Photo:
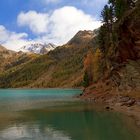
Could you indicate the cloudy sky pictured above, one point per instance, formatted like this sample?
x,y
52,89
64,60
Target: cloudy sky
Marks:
x,y
46,21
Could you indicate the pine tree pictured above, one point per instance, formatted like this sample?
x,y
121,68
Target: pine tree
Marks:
x,y
105,15
102,38
86,79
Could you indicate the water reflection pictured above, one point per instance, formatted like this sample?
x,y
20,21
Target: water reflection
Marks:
x,y
65,123
25,132
33,115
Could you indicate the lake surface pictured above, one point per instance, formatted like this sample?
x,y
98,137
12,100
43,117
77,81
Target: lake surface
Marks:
x,y
55,114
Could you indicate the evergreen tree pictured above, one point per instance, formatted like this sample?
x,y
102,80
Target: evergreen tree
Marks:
x,y
102,38
86,79
105,15
120,8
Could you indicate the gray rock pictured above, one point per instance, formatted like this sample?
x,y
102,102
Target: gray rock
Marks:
x,y
124,99
138,103
131,102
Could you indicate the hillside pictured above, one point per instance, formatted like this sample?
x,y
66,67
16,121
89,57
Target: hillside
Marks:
x,y
62,67
114,74
5,56
10,60
107,59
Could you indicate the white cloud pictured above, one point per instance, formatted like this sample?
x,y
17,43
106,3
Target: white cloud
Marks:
x,y
4,34
60,25
37,22
57,27
67,21
12,40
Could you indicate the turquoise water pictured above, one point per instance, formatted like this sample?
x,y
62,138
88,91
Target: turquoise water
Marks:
x,y
55,114
38,93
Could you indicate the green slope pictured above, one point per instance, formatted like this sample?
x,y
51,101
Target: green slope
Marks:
x,y
62,67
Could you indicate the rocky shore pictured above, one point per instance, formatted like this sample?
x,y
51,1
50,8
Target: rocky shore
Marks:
x,y
116,101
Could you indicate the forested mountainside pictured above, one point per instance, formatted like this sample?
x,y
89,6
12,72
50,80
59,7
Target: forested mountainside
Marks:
x,y
62,67
10,59
103,61
114,67
4,55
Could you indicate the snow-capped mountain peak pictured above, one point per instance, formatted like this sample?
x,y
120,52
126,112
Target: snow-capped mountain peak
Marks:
x,y
38,48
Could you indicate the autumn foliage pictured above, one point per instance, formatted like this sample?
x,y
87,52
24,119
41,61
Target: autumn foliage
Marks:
x,y
92,67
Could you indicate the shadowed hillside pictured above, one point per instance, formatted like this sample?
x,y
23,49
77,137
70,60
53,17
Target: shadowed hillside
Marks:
x,y
114,67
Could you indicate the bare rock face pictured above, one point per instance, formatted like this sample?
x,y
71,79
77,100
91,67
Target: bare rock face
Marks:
x,y
5,53
82,37
126,76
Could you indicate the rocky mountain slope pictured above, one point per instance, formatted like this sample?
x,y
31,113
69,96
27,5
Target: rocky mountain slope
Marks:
x,y
38,48
118,68
10,59
4,53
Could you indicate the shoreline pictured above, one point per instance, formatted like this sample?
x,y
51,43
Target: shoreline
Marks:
x,y
40,88
133,112
115,101
124,104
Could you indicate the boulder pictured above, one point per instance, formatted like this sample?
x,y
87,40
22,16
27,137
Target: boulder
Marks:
x,y
131,102
138,103
124,99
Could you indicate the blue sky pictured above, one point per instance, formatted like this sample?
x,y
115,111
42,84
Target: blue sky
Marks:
x,y
42,21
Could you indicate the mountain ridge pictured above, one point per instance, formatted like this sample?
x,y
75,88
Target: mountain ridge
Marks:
x,y
38,48
62,67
